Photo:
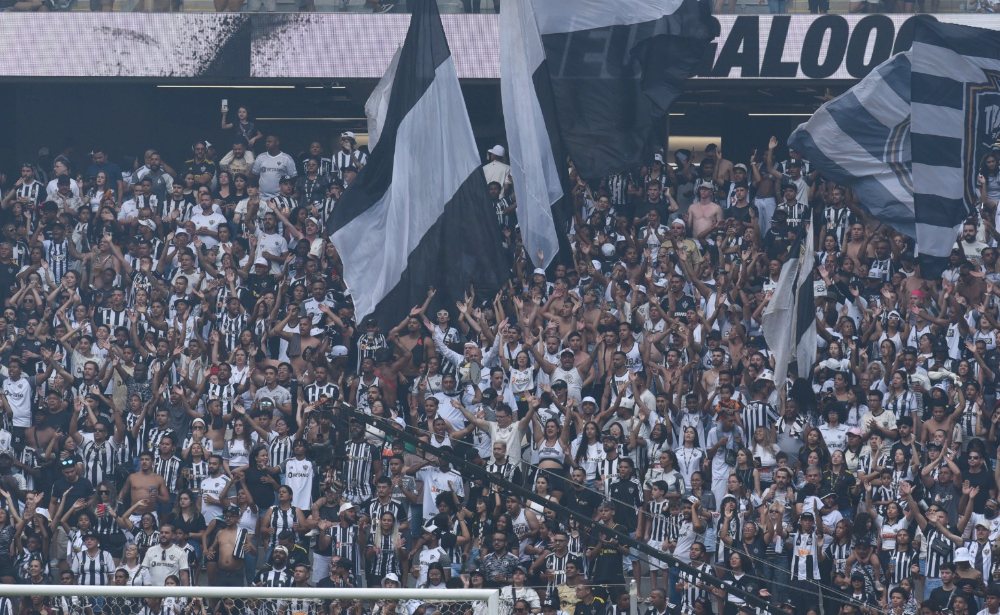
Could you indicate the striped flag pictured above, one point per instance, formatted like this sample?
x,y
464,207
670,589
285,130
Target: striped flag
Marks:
x,y
588,79
861,139
417,215
956,123
789,320
910,137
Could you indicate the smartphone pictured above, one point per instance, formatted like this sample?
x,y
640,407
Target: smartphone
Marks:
x,y
225,104
100,510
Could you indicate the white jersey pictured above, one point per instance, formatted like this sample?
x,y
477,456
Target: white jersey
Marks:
x,y
211,487
18,394
299,476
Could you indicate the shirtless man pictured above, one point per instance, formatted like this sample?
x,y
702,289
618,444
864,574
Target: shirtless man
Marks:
x,y
388,367
704,214
766,191
228,549
421,346
145,486
562,313
300,341
856,245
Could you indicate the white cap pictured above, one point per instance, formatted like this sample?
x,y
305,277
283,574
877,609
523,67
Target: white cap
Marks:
x,y
766,375
538,271
339,351
640,288
597,264
347,134
497,150
260,261
588,399
962,555
658,157
346,506
430,528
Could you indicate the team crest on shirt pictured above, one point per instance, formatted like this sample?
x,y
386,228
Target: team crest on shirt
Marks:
x,y
982,129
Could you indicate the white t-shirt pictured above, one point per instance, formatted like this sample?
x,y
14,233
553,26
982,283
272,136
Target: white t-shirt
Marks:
x,y
211,487
210,222
299,476
271,169
18,395
435,481
275,245
162,563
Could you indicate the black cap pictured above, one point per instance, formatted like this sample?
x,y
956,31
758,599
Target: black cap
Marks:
x,y
337,182
287,179
91,534
551,603
489,395
353,169
232,509
807,515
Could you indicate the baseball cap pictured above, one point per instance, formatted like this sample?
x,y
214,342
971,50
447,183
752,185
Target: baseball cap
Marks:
x,y
346,506
348,134
497,150
339,351
489,395
741,167
706,184
854,431
232,509
806,515
286,179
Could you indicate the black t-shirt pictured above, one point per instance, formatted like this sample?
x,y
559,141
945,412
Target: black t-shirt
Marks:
x,y
682,306
985,481
597,607
584,501
662,207
198,168
756,550
82,489
608,565
8,278
31,345
943,597
743,213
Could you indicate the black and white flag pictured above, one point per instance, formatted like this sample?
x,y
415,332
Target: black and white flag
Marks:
x,y
588,79
789,320
417,215
955,124
910,138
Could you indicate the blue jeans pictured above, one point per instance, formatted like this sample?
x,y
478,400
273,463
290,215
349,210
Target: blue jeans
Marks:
x,y
673,575
776,573
930,585
776,7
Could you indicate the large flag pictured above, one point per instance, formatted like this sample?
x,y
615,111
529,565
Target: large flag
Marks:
x,y
956,123
588,79
417,215
789,320
861,139
910,137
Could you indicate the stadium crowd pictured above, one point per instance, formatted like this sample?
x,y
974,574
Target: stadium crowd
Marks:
x,y
188,399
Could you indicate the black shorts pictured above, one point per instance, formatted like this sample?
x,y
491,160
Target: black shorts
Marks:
x,y
230,578
819,6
